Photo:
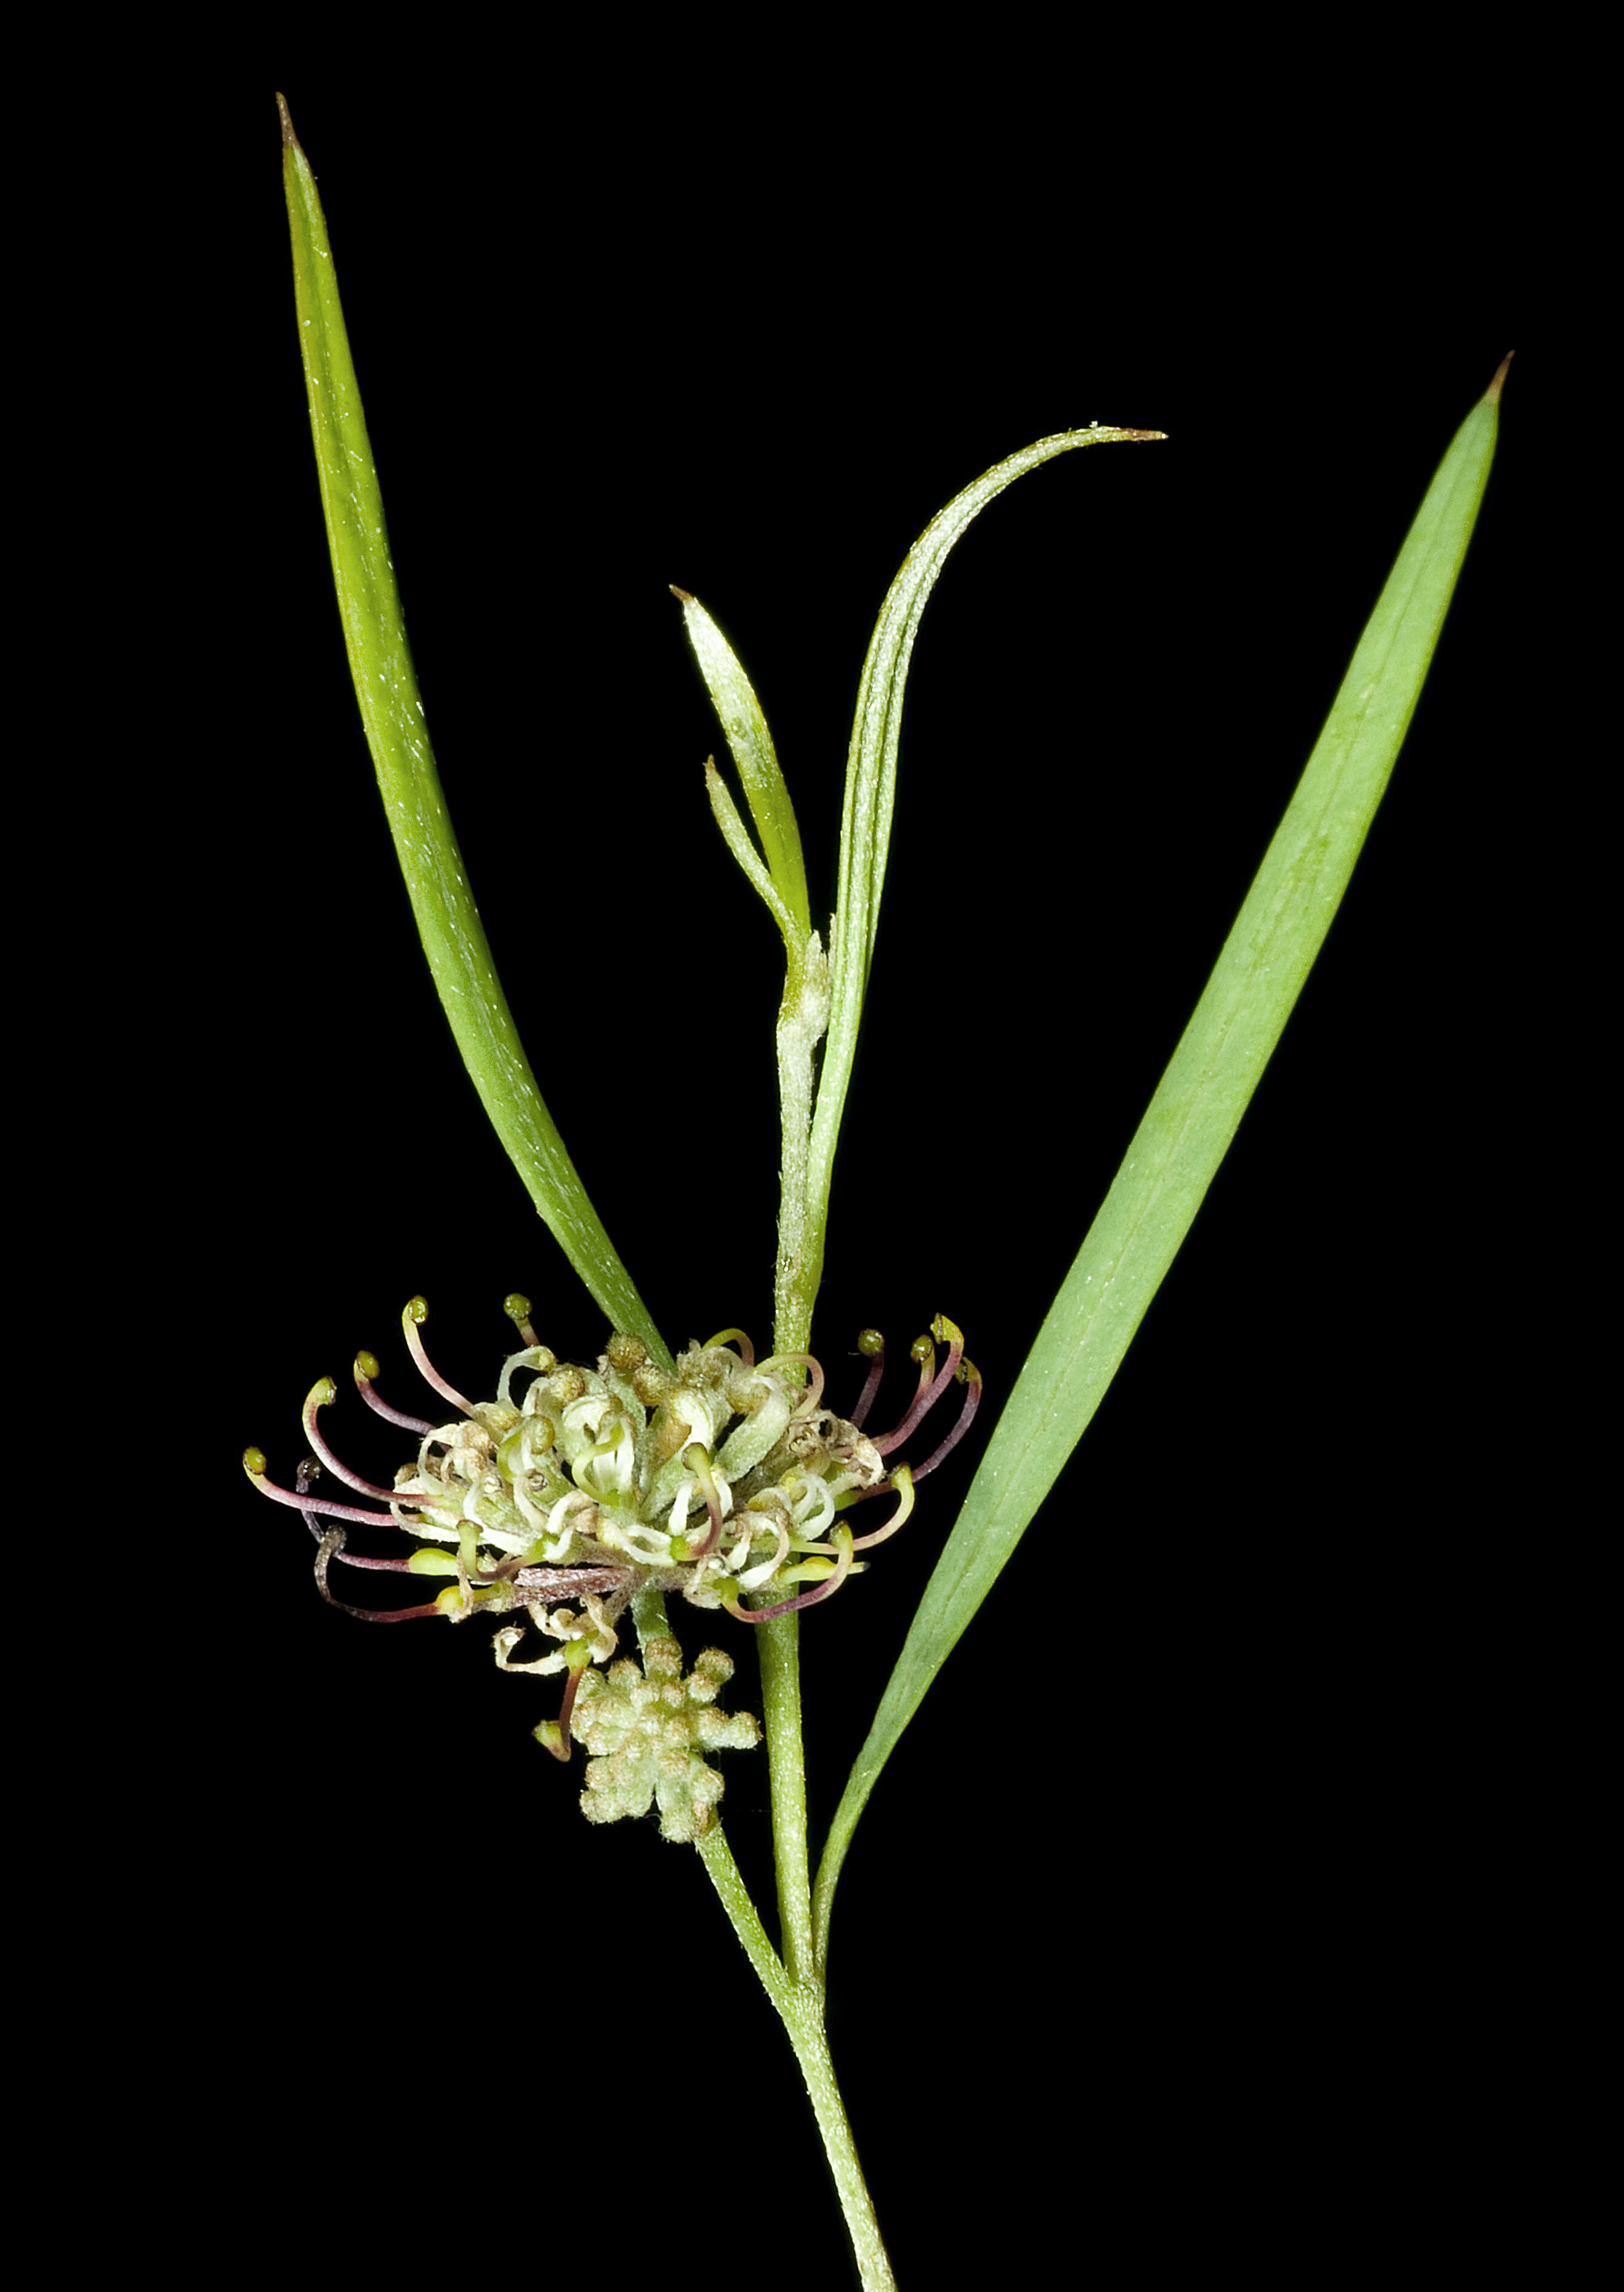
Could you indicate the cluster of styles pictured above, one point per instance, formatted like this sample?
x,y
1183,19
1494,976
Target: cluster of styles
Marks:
x,y
724,1480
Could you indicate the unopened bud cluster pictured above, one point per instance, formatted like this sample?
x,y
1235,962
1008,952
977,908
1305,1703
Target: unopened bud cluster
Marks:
x,y
648,1731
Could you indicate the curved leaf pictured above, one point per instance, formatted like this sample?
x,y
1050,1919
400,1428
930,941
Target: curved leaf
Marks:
x,y
865,826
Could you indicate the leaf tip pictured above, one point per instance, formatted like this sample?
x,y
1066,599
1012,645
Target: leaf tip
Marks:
x,y
288,137
1491,396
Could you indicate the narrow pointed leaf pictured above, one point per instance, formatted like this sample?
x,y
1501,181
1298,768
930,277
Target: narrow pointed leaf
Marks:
x,y
739,712
736,835
1199,1101
386,688
870,790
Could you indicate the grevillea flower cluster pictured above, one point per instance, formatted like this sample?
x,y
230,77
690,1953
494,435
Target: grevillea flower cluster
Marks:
x,y
576,1490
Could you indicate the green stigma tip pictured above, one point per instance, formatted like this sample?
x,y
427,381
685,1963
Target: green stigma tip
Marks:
x,y
367,1364
417,1309
254,1463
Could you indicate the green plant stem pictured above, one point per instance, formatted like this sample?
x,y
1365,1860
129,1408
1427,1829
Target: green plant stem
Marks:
x,y
795,1983
777,1645
791,1983
803,1017
799,2006
812,2050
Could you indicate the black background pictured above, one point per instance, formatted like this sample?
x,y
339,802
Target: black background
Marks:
x,y
1169,1928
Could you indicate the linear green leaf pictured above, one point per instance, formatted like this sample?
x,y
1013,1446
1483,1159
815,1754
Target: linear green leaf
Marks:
x,y
736,835
1199,1103
870,795
409,779
739,712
